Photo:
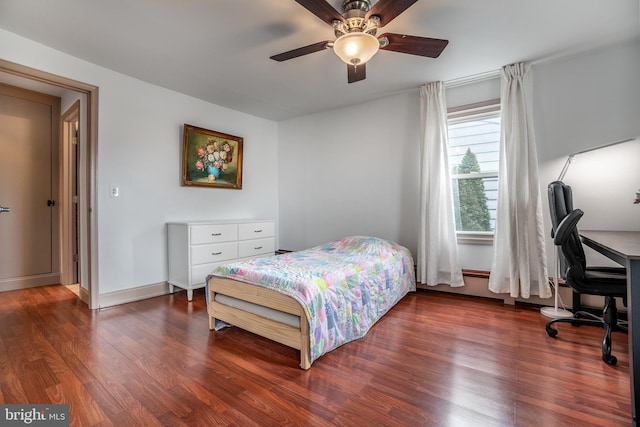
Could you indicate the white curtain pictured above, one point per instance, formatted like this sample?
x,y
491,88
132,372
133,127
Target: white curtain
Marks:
x,y
519,259
437,246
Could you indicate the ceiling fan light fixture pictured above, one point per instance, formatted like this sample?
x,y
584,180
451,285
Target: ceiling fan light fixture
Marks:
x,y
356,48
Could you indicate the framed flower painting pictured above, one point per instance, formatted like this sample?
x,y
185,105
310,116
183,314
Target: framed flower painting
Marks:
x,y
211,159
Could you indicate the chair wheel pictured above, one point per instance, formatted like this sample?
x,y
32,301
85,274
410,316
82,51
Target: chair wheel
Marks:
x,y
610,359
551,332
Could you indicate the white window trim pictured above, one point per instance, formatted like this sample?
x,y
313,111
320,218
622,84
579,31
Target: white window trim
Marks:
x,y
462,113
475,237
474,175
476,109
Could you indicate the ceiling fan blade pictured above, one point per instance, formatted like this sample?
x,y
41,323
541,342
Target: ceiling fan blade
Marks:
x,y
322,10
301,51
387,10
356,73
414,45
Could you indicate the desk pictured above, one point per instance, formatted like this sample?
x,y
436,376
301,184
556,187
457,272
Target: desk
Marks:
x,y
624,248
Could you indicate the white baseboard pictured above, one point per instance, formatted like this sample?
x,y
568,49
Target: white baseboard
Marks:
x,y
84,294
473,286
478,286
135,294
25,282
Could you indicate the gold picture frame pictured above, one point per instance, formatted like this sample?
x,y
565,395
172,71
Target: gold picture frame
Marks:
x,y
211,159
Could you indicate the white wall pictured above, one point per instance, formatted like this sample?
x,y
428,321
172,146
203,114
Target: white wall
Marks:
x,y
139,149
350,171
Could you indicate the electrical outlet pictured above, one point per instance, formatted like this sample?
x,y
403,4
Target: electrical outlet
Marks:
x,y
114,191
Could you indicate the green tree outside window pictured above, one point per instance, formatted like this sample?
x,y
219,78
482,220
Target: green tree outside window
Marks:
x,y
474,213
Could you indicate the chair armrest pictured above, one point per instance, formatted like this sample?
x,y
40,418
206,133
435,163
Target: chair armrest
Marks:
x,y
567,226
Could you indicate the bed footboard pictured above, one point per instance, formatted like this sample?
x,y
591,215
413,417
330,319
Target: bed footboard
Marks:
x,y
290,336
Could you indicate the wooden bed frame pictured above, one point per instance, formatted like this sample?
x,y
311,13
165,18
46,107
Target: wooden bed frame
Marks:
x,y
290,336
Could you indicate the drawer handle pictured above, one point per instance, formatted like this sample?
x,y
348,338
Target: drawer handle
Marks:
x,y
259,247
216,253
257,231
216,234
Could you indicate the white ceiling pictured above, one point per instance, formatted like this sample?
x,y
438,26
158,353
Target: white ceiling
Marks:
x,y
218,50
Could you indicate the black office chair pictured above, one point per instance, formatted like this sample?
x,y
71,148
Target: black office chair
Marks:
x,y
609,282
560,204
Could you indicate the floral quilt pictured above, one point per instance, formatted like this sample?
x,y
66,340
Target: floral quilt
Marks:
x,y
344,286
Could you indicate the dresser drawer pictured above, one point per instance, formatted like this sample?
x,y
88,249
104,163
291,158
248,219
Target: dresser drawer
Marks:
x,y
252,248
200,272
203,254
256,230
213,233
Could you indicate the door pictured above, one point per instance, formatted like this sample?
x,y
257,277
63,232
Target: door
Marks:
x,y
70,196
75,197
28,177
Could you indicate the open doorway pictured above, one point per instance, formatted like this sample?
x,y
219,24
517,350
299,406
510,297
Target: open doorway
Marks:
x,y
70,202
87,271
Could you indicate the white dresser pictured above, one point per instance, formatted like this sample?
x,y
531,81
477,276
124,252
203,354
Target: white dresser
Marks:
x,y
196,248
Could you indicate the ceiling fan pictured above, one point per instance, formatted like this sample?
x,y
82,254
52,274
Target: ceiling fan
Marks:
x,y
355,30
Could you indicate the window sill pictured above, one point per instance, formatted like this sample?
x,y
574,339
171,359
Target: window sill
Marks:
x,y
475,238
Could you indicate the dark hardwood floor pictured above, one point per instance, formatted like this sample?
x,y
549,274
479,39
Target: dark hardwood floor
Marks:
x,y
433,360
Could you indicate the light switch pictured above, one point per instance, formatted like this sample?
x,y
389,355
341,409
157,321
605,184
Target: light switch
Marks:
x,y
114,191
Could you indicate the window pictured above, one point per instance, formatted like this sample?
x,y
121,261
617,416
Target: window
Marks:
x,y
474,148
